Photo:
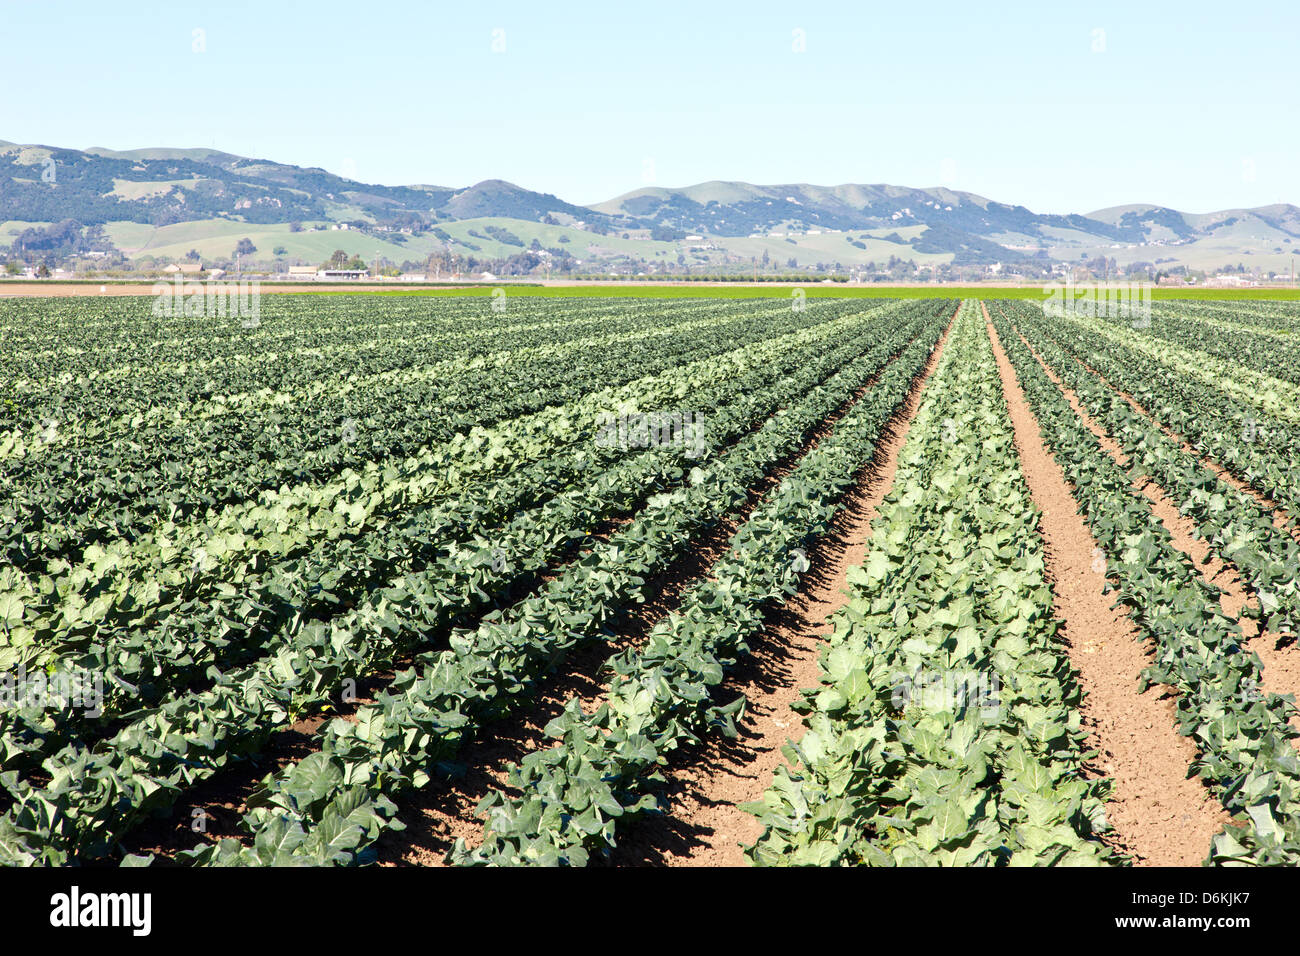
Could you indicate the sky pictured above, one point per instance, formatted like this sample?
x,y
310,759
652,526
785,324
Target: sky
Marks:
x,y
1058,107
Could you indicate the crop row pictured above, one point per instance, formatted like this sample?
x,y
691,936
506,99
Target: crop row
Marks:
x,y
1258,448
192,737
574,796
267,610
1245,750
330,807
194,463
1233,344
1235,525
129,586
946,727
119,371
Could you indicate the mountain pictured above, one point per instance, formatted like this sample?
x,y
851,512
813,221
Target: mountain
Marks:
x,y
495,197
152,201
970,229
736,209
953,219
163,186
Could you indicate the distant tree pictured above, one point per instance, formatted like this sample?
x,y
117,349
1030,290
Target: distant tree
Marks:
x,y
42,271
245,247
295,227
12,267
280,251
501,234
336,261
193,256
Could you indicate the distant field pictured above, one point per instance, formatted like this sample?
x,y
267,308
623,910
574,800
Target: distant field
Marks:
x,y
661,290
214,238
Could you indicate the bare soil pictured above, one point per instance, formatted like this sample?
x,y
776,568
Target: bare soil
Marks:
x,y
1279,653
1159,816
446,809
707,784
1280,660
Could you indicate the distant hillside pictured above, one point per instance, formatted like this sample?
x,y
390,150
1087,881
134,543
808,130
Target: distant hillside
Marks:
x,y
165,186
734,209
970,228
149,201
494,197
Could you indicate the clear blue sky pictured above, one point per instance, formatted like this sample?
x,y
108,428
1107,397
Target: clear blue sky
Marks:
x,y
1196,103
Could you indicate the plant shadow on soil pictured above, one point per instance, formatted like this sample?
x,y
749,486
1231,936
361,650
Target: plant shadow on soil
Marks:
x,y
788,646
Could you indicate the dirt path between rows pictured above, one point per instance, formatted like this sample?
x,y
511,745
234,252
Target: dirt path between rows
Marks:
x,y
705,825
1281,519
1279,654
1159,816
447,809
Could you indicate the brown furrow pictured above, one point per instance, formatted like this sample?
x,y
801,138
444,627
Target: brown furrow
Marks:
x,y
1282,520
1159,816
1279,655
707,783
446,809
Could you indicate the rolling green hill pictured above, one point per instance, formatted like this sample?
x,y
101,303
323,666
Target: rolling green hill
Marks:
x,y
163,203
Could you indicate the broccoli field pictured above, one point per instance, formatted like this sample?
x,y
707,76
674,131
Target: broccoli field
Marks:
x,y
616,581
